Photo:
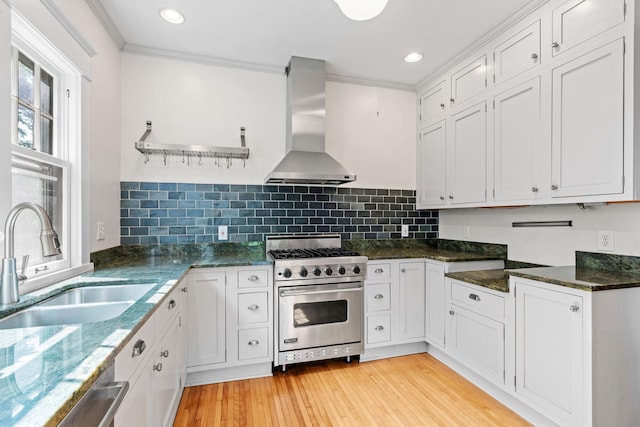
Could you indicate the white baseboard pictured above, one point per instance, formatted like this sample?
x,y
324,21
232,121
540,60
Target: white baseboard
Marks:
x,y
393,351
234,373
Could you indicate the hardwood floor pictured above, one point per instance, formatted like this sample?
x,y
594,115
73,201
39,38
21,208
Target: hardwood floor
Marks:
x,y
412,390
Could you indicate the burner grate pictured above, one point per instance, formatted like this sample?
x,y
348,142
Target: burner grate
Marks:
x,y
311,253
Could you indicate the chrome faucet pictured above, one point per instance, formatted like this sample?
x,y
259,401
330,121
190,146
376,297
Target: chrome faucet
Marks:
x,y
9,292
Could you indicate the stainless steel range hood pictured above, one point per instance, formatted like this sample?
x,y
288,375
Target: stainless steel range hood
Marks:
x,y
306,161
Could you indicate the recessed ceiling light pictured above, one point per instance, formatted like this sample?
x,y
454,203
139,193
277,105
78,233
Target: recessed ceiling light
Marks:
x,y
413,57
172,16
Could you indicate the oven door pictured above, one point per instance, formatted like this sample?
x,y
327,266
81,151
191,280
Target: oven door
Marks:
x,y
320,315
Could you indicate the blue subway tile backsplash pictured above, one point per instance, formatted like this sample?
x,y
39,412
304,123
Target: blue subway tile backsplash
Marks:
x,y
173,213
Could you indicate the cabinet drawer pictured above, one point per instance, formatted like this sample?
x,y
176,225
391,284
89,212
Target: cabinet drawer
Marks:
x,y
252,308
478,300
378,329
170,307
253,343
253,278
378,296
378,272
136,351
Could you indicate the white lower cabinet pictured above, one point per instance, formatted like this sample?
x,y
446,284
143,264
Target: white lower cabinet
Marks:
x,y
230,325
476,329
153,364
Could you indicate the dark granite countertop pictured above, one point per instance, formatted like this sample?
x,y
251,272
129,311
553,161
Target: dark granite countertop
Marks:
x,y
46,370
498,280
583,278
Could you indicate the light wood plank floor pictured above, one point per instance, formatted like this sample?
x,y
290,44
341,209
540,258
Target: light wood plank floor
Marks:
x,y
412,390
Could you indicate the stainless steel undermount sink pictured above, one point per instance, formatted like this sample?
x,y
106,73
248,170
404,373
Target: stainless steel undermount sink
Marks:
x,y
65,314
79,305
94,294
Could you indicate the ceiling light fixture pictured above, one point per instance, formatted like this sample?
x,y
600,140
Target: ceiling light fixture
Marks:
x,y
172,16
413,57
361,10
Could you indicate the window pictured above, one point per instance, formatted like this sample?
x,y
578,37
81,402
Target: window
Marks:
x,y
45,153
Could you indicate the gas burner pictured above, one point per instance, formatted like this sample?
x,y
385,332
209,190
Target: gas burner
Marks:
x,y
310,253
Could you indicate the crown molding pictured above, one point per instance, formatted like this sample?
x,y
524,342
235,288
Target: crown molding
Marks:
x,y
107,23
68,26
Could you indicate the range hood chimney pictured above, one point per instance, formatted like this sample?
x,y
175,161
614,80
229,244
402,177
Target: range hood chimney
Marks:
x,y
306,161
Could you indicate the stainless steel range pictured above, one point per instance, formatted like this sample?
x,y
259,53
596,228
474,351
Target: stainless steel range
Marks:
x,y
319,298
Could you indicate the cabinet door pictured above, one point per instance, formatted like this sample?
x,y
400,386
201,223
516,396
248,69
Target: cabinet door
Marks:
x,y
466,158
578,20
468,81
412,301
549,352
587,124
478,342
517,54
206,318
431,165
433,102
518,142
165,381
436,304
253,343
135,409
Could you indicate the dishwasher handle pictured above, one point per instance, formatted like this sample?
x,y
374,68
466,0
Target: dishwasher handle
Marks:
x,y
302,291
118,389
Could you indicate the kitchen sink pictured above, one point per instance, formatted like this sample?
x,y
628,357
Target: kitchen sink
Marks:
x,y
65,314
95,294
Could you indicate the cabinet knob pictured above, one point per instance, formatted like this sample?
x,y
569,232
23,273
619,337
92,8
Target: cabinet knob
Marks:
x,y
574,308
184,289
534,56
253,343
253,278
138,348
442,105
441,197
378,296
253,307
554,187
534,189
172,304
555,45
474,297
451,312
379,328
450,197
379,271
403,270
164,353
452,100
157,367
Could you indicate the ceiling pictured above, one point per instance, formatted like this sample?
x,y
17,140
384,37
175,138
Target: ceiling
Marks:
x,y
263,34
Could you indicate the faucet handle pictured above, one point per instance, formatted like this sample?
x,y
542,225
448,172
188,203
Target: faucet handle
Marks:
x,y
25,263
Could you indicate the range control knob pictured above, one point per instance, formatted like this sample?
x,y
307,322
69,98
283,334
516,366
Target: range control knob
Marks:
x,y
316,271
356,269
328,271
341,270
286,273
303,272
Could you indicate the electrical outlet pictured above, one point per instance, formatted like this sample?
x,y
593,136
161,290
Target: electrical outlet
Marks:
x,y
100,230
466,231
605,241
405,230
222,232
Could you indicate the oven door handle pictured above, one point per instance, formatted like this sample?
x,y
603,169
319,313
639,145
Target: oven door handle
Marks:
x,y
301,291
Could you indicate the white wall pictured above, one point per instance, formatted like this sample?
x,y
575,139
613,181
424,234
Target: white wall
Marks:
x,y
550,245
198,104
104,125
5,115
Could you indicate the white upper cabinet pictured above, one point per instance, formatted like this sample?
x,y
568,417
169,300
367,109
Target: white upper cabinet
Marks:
x,y
466,180
468,81
588,124
517,54
518,142
433,102
431,165
576,21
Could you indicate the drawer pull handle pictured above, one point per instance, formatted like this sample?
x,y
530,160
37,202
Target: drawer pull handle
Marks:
x,y
172,304
442,106
379,296
574,308
534,56
157,367
534,189
379,328
138,348
184,289
555,45
164,353
253,307
253,278
554,187
379,271
474,297
253,343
